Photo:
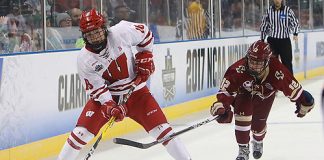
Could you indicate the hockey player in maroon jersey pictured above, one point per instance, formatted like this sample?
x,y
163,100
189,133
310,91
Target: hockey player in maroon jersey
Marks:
x,y
249,86
108,67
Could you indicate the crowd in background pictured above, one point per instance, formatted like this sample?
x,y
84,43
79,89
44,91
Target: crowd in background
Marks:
x,y
27,26
18,27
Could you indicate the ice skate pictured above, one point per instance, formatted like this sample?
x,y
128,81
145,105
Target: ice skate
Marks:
x,y
244,151
257,149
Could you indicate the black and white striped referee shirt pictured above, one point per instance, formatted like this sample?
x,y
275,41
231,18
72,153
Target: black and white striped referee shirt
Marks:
x,y
279,23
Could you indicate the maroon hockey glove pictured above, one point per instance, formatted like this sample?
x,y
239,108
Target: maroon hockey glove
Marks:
x,y
217,109
110,109
225,115
304,104
144,65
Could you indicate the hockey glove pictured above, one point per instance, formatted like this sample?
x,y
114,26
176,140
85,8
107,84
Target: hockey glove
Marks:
x,y
144,65
225,115
110,109
304,104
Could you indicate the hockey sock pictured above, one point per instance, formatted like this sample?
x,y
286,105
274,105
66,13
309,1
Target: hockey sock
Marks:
x,y
78,138
174,146
177,150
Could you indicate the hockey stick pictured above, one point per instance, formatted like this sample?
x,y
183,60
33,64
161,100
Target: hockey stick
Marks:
x,y
127,142
112,119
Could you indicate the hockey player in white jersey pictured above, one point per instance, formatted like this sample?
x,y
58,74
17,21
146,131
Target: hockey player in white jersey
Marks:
x,y
108,67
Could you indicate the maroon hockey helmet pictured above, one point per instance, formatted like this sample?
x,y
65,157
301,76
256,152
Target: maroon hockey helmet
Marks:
x,y
94,30
258,56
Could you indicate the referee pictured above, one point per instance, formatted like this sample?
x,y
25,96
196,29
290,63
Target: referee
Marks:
x,y
277,23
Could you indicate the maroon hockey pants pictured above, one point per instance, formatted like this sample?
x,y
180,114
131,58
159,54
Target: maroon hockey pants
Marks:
x,y
246,106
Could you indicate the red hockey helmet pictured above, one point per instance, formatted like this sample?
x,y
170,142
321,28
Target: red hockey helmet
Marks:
x,y
258,56
91,20
94,30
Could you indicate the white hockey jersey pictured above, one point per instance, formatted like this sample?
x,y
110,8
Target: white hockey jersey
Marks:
x,y
112,71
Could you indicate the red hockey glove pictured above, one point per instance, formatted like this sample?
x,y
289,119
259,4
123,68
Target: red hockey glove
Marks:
x,y
110,109
225,115
304,104
144,65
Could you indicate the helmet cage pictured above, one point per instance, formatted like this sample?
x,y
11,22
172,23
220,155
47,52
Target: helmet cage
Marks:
x,y
258,57
96,39
256,65
94,30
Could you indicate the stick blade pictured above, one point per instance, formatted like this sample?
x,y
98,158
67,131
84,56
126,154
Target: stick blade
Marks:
x,y
127,142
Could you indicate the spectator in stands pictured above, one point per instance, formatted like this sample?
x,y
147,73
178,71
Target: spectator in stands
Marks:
x,y
121,12
18,42
53,38
237,8
13,35
75,14
32,14
196,21
69,33
63,20
30,38
64,27
18,33
37,40
25,43
4,40
15,15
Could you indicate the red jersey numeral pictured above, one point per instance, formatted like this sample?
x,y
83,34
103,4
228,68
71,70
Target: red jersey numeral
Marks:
x,y
88,84
140,27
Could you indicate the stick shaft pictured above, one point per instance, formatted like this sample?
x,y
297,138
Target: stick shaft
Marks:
x,y
127,142
112,119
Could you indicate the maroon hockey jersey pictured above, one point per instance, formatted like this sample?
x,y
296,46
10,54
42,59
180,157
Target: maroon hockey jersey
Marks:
x,y
238,81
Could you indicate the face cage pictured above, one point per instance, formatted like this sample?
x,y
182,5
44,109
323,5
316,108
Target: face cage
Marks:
x,y
96,39
256,67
